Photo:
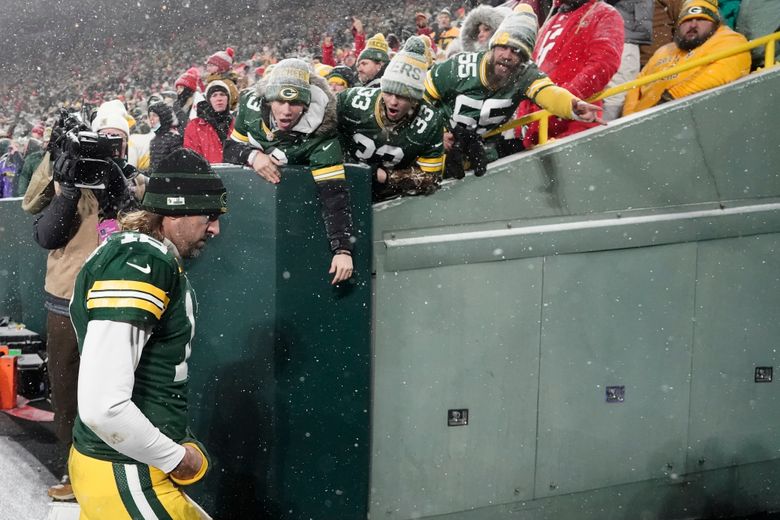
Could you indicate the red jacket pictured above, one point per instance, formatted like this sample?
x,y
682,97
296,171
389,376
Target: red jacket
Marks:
x,y
202,138
327,54
580,51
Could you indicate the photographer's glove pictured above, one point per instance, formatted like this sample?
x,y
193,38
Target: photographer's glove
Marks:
x,y
64,173
116,196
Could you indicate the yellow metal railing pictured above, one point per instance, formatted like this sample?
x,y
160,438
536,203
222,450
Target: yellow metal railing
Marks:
x,y
543,116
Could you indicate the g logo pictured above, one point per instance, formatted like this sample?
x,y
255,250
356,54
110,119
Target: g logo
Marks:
x,y
695,10
223,200
502,39
288,93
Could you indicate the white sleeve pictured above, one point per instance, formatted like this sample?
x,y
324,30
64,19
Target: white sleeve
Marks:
x,y
109,357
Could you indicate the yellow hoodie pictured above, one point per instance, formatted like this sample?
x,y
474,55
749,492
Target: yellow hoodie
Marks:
x,y
694,80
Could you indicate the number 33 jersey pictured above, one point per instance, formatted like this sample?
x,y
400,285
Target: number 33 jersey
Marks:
x,y
460,86
133,278
366,138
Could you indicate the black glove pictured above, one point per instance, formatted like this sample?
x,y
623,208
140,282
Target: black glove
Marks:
x,y
116,196
65,174
453,161
468,146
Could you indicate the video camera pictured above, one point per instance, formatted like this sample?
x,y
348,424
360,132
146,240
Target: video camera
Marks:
x,y
84,157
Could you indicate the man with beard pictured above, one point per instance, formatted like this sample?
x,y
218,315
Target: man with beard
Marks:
x,y
700,32
372,62
206,133
480,91
133,312
392,130
289,118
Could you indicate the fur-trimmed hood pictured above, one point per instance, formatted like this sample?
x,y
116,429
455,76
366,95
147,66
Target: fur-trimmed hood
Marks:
x,y
467,41
319,119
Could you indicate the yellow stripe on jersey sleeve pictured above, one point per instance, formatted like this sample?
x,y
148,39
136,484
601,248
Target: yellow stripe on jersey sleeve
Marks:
x,y
431,164
124,303
430,89
551,97
238,136
129,285
328,174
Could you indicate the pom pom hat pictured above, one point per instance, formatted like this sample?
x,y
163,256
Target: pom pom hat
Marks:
x,y
289,81
517,31
376,49
405,75
222,59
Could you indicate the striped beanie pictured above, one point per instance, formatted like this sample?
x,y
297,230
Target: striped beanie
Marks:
x,y
222,59
405,75
517,30
376,49
701,9
184,184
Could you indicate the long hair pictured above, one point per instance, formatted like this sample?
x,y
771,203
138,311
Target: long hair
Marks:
x,y
142,221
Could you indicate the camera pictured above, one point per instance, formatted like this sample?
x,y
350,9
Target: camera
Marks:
x,y
85,157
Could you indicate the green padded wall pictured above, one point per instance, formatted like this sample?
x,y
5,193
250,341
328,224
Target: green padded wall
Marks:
x,y
280,369
22,268
641,256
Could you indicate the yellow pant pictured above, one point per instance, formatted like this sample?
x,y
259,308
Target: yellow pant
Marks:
x,y
107,490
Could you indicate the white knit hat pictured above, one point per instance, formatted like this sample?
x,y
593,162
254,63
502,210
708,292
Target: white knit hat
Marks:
x,y
518,30
111,114
405,75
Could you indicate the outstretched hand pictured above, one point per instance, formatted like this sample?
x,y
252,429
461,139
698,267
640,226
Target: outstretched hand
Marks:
x,y
586,112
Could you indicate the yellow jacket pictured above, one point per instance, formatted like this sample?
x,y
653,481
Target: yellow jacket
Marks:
x,y
694,80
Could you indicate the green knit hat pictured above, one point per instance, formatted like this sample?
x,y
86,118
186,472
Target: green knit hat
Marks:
x,y
185,184
405,76
289,81
517,31
376,49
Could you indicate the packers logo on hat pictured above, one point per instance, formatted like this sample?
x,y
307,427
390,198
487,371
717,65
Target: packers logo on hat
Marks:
x,y
288,93
502,39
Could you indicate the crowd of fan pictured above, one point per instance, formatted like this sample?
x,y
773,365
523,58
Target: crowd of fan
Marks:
x,y
132,69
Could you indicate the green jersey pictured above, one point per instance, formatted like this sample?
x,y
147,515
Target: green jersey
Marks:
x,y
307,144
366,137
322,153
133,278
460,87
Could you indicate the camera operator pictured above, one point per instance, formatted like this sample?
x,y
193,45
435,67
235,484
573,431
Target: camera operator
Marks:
x,y
90,185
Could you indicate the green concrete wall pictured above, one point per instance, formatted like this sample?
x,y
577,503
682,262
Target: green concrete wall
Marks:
x,y
280,369
639,255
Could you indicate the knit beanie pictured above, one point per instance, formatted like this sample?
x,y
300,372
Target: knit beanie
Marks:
x,y
184,184
289,81
222,85
702,9
322,70
343,75
190,79
376,49
111,114
165,113
518,30
222,59
428,48
405,75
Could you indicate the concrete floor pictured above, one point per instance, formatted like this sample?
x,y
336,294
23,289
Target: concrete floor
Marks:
x,y
31,460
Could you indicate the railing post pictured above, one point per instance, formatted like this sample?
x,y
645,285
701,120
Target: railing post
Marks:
x,y
544,125
769,54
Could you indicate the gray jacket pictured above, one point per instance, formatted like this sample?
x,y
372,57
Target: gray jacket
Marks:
x,y
637,19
